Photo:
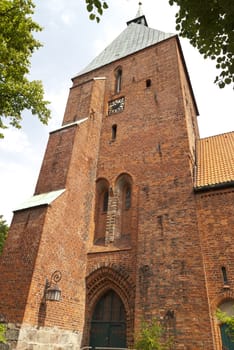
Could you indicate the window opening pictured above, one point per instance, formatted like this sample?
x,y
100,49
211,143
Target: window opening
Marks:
x,y
224,274
105,201
128,198
148,83
118,81
114,131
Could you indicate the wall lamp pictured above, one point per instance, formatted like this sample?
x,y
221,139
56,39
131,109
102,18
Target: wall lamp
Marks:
x,y
52,291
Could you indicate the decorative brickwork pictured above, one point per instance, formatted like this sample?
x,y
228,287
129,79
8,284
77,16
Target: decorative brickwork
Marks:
x,y
111,218
105,278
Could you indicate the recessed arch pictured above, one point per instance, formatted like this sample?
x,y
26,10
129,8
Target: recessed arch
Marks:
x,y
101,209
102,183
98,283
122,179
219,302
226,335
123,186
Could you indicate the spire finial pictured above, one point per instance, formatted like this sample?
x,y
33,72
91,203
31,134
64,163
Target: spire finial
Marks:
x,y
139,18
139,12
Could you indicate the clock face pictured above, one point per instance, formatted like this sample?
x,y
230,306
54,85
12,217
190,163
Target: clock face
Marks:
x,y
116,106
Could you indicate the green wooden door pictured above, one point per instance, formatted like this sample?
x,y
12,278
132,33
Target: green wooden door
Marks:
x,y
227,342
108,325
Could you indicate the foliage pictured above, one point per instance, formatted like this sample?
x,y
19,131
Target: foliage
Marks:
x,y
2,333
152,336
228,320
17,45
96,7
3,233
209,26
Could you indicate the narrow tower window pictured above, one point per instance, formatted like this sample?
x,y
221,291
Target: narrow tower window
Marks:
x,y
118,80
148,83
224,274
114,132
128,198
105,201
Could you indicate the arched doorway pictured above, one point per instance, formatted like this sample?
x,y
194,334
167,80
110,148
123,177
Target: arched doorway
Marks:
x,y
227,336
108,325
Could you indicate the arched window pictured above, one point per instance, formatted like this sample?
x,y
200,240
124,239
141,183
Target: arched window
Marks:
x,y
101,209
124,222
224,275
118,80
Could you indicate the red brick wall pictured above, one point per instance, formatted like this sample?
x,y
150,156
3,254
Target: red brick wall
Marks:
x,y
68,224
56,238
53,174
17,262
153,145
78,104
159,268
216,222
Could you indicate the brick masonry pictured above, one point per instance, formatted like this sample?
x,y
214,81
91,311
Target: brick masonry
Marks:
x,y
162,255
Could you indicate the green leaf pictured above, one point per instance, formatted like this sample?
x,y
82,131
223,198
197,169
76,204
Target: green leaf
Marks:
x,y
209,28
92,16
3,329
3,232
221,84
90,7
17,44
228,80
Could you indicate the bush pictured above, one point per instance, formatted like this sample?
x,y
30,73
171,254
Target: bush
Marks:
x,y
153,336
2,333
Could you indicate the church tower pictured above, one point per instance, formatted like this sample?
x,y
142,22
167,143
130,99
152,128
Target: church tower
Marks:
x,y
111,235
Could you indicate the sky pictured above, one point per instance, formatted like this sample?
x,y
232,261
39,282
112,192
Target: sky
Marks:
x,y
70,41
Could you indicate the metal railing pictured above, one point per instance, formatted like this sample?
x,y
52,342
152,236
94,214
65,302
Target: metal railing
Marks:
x,y
102,348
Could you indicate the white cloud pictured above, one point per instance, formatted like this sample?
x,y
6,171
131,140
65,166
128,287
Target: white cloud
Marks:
x,y
68,18
16,185
58,100
15,141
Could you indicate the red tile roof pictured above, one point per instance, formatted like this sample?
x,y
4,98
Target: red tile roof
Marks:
x,y
215,161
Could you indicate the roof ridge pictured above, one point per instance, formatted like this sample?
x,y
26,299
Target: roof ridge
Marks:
x,y
212,136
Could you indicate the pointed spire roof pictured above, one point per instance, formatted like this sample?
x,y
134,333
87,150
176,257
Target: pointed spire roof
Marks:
x,y
137,36
139,12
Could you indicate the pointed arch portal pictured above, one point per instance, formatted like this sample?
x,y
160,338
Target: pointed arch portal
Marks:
x,y
108,325
226,333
